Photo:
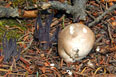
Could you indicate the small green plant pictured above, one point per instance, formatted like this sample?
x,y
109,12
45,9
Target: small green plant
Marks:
x,y
63,21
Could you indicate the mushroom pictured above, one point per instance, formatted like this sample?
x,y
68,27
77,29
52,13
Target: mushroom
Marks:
x,y
75,41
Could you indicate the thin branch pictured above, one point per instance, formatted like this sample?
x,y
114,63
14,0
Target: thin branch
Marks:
x,y
27,46
101,16
76,10
57,5
8,12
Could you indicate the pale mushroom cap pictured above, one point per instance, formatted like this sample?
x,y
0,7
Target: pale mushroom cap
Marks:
x,y
75,41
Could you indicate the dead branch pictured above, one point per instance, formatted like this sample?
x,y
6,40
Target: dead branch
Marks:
x,y
101,16
8,12
77,10
15,12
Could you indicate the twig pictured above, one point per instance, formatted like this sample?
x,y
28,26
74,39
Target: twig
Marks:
x,y
27,46
109,32
77,10
112,61
30,33
8,12
82,74
90,15
101,16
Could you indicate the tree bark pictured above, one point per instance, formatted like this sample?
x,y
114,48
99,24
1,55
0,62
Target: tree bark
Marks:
x,y
77,9
8,12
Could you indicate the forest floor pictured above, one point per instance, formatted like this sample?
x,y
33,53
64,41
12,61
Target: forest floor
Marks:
x,y
32,61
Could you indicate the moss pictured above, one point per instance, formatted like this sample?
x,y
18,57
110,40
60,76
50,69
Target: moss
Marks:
x,y
18,2
9,25
22,2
